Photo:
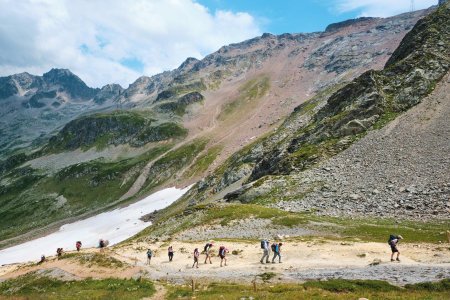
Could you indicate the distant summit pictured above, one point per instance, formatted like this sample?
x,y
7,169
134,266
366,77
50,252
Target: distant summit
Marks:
x,y
71,83
346,23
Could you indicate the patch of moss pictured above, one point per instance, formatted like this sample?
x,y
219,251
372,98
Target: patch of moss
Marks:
x,y
440,286
202,163
42,287
267,276
345,286
249,92
333,289
172,163
95,260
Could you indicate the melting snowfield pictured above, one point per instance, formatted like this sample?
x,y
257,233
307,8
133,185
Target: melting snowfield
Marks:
x,y
116,225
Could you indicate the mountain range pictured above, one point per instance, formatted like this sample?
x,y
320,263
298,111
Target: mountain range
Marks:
x,y
277,121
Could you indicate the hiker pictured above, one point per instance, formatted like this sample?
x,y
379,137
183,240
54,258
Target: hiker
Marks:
x,y
42,259
222,254
149,256
170,250
103,243
207,250
266,253
78,246
196,256
393,242
276,249
59,252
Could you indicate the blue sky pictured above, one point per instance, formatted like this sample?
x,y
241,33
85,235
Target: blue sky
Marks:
x,y
312,15
285,15
107,41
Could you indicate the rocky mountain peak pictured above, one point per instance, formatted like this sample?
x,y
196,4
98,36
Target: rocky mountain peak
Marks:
x,y
54,75
70,82
188,64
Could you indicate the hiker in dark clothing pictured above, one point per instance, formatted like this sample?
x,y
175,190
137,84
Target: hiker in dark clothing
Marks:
x,y
276,248
266,249
393,242
102,244
196,256
42,259
149,256
222,254
170,250
59,252
207,250
78,245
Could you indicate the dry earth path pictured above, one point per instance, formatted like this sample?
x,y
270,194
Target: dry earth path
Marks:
x,y
301,260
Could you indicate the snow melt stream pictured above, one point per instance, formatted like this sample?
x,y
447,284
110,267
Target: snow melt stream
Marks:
x,y
116,225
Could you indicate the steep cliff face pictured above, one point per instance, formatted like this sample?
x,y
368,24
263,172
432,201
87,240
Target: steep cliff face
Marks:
x,y
333,120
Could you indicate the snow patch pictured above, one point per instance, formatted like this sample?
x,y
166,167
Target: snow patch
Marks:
x,y
116,225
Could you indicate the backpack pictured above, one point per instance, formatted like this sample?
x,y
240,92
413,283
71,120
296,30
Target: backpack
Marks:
x,y
274,247
149,253
222,250
263,244
391,238
208,245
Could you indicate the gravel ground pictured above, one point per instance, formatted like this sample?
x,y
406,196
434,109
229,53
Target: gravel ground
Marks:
x,y
400,170
242,229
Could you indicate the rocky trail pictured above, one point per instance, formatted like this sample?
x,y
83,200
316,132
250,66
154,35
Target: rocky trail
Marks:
x,y
301,260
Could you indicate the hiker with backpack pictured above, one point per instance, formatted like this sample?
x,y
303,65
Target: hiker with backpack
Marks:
x,y
170,252
42,259
393,242
59,252
207,250
196,256
222,254
276,249
149,256
266,251
78,246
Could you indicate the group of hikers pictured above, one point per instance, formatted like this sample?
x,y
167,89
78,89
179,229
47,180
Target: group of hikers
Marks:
x,y
78,244
207,250
267,248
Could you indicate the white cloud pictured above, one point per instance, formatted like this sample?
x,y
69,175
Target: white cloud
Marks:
x,y
113,41
381,8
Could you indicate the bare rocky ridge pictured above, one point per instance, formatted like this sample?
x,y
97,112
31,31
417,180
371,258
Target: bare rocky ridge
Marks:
x,y
400,170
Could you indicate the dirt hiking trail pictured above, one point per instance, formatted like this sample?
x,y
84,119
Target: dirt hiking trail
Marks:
x,y
301,260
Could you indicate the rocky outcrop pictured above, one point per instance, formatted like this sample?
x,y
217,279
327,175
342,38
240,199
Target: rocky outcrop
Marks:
x,y
112,129
108,92
179,106
340,25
